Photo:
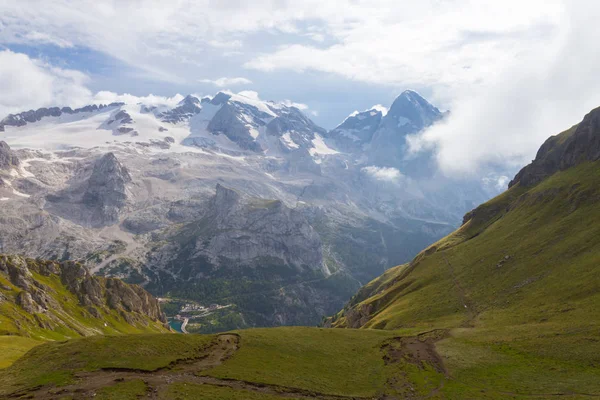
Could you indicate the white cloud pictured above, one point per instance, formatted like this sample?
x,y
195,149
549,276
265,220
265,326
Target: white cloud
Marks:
x,y
106,97
383,174
504,121
44,38
383,41
382,109
299,106
26,83
221,44
223,82
432,43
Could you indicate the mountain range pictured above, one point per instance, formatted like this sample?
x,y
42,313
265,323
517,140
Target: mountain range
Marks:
x,y
228,200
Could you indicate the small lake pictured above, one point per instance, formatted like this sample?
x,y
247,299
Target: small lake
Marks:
x,y
176,325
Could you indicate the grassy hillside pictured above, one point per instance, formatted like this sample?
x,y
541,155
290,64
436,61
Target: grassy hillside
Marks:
x,y
46,301
273,363
519,286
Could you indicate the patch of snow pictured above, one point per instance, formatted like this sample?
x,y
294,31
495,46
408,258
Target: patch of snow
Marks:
x,y
403,121
253,132
4,199
320,147
17,193
287,139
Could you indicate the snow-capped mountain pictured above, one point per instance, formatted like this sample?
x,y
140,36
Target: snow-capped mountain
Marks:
x,y
227,191
356,131
380,135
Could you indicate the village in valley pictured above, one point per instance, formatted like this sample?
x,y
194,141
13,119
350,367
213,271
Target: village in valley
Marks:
x,y
188,310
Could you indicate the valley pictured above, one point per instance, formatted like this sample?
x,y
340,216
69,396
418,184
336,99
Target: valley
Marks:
x,y
228,199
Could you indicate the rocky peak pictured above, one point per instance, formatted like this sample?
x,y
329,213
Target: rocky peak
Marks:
x,y
8,158
579,144
190,100
230,122
410,108
225,199
357,129
220,98
185,109
107,191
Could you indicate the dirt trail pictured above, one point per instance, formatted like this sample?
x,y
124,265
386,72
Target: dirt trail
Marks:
x,y
417,350
90,382
185,371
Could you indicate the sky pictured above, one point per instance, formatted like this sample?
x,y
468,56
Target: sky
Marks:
x,y
512,73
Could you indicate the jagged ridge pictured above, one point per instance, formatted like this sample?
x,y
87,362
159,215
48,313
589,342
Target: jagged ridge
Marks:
x,y
57,299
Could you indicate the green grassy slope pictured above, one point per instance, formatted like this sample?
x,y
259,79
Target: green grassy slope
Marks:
x,y
291,362
519,285
56,363
47,301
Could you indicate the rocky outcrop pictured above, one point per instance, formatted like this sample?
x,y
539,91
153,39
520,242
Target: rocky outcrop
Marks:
x,y
8,159
106,193
246,231
357,130
579,144
97,297
186,108
227,122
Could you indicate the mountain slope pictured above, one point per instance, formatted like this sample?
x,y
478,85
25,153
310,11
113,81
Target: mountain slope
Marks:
x,y
123,188
518,283
51,300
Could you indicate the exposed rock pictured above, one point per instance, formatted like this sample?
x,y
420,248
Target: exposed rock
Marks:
x,y
568,149
25,301
8,159
93,293
410,113
106,194
357,130
226,122
123,117
186,108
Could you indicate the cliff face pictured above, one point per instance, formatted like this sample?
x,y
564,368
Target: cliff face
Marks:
x,y
579,144
106,194
7,158
64,297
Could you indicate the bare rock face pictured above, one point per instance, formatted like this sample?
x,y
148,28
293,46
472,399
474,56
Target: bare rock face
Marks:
x,y
186,108
106,194
8,158
246,229
226,122
575,146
